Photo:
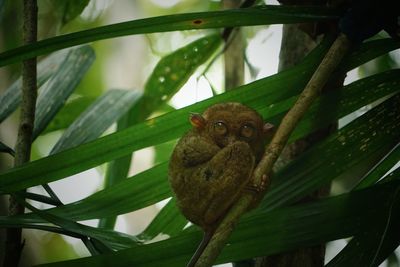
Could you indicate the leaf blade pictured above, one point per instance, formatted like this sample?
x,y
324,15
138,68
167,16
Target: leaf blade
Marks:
x,y
11,98
264,234
169,221
157,130
57,89
89,125
352,136
202,20
380,169
288,185
170,73
6,149
68,113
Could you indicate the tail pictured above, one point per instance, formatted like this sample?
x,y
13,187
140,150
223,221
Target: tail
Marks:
x,y
203,244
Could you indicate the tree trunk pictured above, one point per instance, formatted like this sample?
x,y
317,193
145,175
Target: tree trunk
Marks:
x,y
234,52
297,41
14,243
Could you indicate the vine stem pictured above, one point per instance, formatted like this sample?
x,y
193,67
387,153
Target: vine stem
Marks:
x,y
313,88
14,246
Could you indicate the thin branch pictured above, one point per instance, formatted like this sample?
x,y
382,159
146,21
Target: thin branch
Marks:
x,y
275,147
14,245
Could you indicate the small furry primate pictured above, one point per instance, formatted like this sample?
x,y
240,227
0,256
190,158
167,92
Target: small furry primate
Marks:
x,y
213,163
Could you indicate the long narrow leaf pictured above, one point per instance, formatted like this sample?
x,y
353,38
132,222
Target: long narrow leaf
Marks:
x,y
373,48
361,215
381,169
293,182
97,118
65,224
168,222
156,130
171,72
374,86
70,9
141,135
261,15
56,91
115,240
376,130
348,99
69,113
11,98
325,171
377,242
144,189
117,170
6,149
369,118
266,233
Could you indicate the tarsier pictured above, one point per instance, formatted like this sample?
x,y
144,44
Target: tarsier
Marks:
x,y
212,165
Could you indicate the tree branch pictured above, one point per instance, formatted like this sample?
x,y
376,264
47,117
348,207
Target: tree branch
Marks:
x,y
14,245
275,147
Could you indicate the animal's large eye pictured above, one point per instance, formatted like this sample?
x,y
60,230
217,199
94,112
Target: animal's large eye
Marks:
x,y
220,128
247,131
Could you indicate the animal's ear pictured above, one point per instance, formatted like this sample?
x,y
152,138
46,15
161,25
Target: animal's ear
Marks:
x,y
197,120
268,129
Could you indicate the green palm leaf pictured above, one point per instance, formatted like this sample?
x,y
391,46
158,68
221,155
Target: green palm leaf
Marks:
x,y
156,130
261,15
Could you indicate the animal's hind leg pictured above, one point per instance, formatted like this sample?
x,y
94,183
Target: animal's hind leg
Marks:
x,y
228,172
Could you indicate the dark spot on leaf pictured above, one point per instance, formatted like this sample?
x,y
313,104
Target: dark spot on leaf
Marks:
x,y
197,21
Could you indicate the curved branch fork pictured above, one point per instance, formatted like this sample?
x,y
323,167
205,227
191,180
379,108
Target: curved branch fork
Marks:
x,y
329,63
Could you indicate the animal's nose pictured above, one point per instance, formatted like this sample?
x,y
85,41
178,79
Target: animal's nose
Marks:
x,y
231,139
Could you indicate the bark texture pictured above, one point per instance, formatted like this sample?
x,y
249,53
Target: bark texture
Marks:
x,y
14,244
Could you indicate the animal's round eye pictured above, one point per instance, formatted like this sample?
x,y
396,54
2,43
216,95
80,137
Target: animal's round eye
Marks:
x,y
247,131
220,128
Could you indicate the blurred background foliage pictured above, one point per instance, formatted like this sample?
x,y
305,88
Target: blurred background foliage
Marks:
x,y
129,63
